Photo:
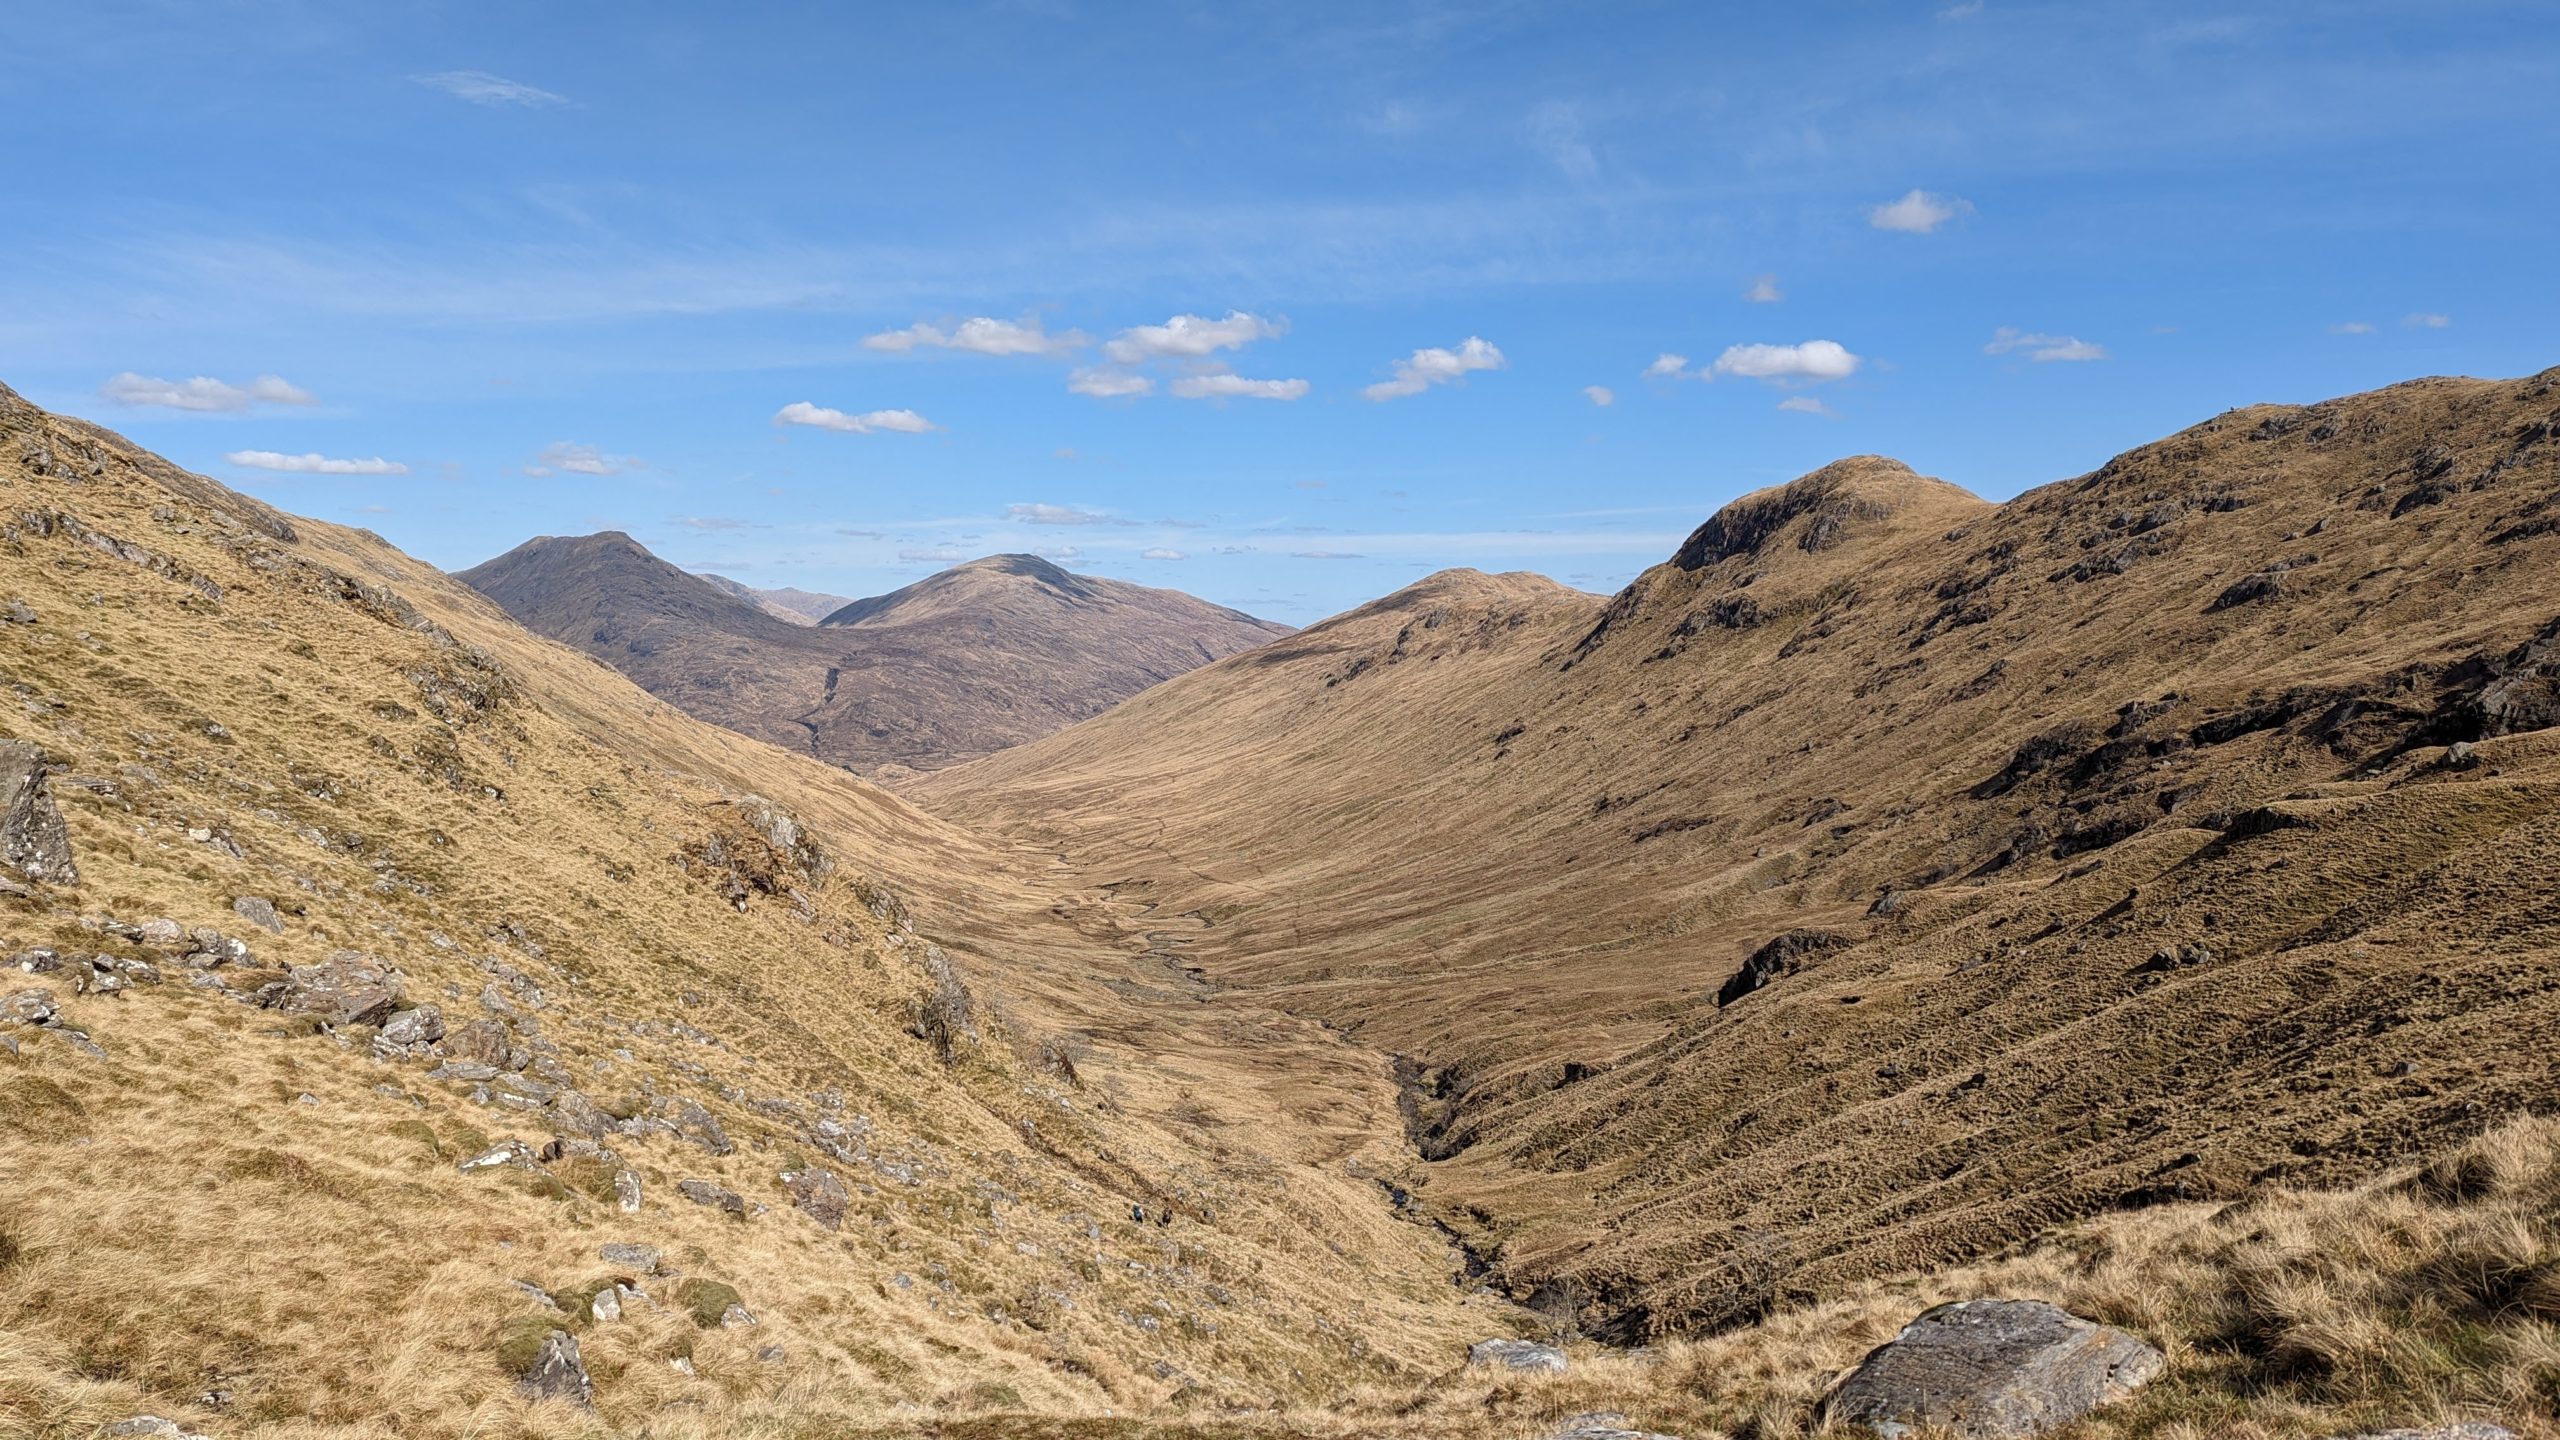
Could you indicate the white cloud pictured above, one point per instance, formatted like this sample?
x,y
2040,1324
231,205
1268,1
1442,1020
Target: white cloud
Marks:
x,y
482,88
2351,327
1667,366
1806,405
980,335
563,457
944,553
1037,514
204,392
1555,131
1963,11
1227,385
1917,213
1105,383
313,464
2042,349
1436,366
2427,320
1158,552
903,422
1058,552
1600,395
1814,360
1190,337
1324,555
1764,291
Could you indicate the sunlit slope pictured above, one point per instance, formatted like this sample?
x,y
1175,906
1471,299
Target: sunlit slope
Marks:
x,y
684,955
2114,829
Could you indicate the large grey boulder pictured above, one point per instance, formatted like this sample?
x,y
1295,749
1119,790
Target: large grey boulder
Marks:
x,y
33,840
557,1373
1523,1355
1603,1425
718,1197
348,988
1993,1370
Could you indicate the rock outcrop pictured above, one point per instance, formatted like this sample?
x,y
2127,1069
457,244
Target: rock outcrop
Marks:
x,y
1527,1356
33,840
1993,1370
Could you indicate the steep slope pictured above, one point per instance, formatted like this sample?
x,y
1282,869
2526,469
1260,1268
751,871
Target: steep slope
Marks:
x,y
971,660
404,961
800,607
1890,875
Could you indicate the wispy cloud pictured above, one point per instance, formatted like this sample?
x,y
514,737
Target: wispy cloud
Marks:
x,y
981,335
203,393
1325,555
1159,552
1555,131
1040,514
1918,213
712,522
2351,327
1813,360
1600,395
1807,405
2427,320
903,422
944,554
566,457
1190,337
1668,366
1105,382
1764,291
312,464
1222,384
1965,10
2042,349
482,88
1437,366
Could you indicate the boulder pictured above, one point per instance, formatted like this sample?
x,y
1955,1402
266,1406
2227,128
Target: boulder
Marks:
x,y
506,1154
1992,1370
626,1192
557,1373
29,1007
2469,1430
639,1259
700,1126
422,1026
703,1192
1603,1425
33,839
486,1042
575,1114
348,988
820,1194
151,1427
260,911
1524,1355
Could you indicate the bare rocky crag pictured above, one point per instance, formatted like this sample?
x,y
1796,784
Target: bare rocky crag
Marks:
x,y
963,663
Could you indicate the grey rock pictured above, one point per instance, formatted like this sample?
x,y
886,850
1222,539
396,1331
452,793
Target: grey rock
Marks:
x,y
348,988
40,960
703,1192
575,1114
2468,1430
19,612
260,911
1603,1425
1523,1355
820,1194
626,1192
736,1317
1993,1370
33,840
422,1026
700,1126
509,1153
152,1426
464,1070
557,1372
30,1007
162,931
641,1258
487,1041
606,1304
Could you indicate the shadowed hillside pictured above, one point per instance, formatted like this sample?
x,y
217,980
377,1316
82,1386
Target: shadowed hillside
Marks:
x,y
1891,875
968,661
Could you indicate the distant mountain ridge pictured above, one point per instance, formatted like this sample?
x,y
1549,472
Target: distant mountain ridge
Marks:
x,y
960,664
800,607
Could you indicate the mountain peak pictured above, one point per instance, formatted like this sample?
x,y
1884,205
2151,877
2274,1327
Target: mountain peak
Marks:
x,y
1826,508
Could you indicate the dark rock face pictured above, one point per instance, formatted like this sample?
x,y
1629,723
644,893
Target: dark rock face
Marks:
x,y
1782,956
1993,1369
820,1194
33,841
557,1372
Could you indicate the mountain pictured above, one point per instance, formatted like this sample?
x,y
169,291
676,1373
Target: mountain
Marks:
x,y
800,607
412,1026
968,661
1890,875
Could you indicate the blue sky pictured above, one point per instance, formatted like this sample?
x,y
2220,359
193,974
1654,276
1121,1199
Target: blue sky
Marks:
x,y
1286,305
